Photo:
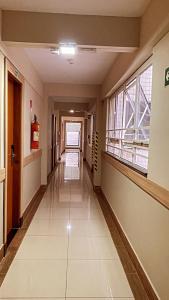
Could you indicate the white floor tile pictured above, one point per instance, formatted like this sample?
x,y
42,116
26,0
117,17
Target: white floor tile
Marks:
x,y
102,278
90,228
91,248
35,278
43,247
56,213
48,227
84,213
68,250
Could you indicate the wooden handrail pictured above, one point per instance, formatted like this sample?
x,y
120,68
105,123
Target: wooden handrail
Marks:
x,y
153,189
2,174
33,156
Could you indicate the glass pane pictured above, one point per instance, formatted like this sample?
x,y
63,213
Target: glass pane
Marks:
x,y
119,111
127,155
142,158
111,113
144,101
72,138
129,106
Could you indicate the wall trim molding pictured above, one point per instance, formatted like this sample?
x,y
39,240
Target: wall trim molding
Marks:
x,y
2,251
2,174
140,271
157,192
35,154
34,203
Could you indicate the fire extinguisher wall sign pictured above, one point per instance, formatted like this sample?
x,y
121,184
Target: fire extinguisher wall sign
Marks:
x,y
35,129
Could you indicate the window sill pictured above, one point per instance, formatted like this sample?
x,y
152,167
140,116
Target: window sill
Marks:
x,y
128,164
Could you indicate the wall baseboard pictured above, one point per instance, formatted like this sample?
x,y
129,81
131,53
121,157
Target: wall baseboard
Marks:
x,y
2,251
140,271
33,203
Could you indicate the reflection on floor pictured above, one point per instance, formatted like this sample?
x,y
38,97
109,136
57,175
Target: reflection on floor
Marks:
x,y
67,250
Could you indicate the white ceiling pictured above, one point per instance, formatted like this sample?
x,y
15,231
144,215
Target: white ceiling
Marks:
x,y
130,8
87,68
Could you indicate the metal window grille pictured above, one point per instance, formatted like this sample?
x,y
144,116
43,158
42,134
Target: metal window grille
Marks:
x,y
128,121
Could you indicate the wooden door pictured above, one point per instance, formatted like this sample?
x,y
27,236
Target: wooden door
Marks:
x,y
14,157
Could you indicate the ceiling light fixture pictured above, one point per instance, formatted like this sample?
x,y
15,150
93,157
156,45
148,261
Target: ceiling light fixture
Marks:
x,y
65,49
68,49
71,111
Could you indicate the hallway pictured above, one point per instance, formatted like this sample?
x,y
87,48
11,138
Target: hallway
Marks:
x,y
67,251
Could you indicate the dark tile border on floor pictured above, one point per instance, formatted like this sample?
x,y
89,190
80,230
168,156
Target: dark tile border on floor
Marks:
x,y
139,283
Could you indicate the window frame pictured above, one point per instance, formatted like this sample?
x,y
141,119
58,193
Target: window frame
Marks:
x,y
113,99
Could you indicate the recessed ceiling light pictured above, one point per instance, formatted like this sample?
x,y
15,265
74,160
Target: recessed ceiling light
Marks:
x,y
65,49
71,111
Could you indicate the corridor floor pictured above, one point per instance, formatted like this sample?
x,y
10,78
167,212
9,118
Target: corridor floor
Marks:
x,y
67,251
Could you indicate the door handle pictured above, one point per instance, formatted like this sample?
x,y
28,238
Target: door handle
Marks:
x,y
13,153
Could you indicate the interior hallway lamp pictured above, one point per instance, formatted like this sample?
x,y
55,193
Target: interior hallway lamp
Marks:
x,y
67,49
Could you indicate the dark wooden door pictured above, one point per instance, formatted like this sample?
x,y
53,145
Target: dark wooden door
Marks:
x,y
14,157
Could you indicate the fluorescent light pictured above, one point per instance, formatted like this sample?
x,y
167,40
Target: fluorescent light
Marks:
x,y
67,49
64,49
71,111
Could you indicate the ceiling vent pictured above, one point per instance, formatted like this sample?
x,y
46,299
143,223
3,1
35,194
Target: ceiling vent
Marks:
x,y
87,50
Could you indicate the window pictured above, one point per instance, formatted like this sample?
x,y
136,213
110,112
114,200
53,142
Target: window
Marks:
x,y
73,130
128,121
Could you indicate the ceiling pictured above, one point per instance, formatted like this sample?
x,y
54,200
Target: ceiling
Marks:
x,y
128,8
86,68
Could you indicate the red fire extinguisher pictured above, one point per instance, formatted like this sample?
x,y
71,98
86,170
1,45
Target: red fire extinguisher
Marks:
x,y
35,127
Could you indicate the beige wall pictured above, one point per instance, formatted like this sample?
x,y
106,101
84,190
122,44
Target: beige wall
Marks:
x,y
89,154
71,90
32,90
51,110
31,182
30,94
158,170
145,222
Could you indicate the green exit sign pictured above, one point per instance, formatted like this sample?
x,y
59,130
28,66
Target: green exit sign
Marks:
x,y
167,77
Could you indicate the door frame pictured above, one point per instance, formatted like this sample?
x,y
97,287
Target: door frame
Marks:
x,y
10,70
53,142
